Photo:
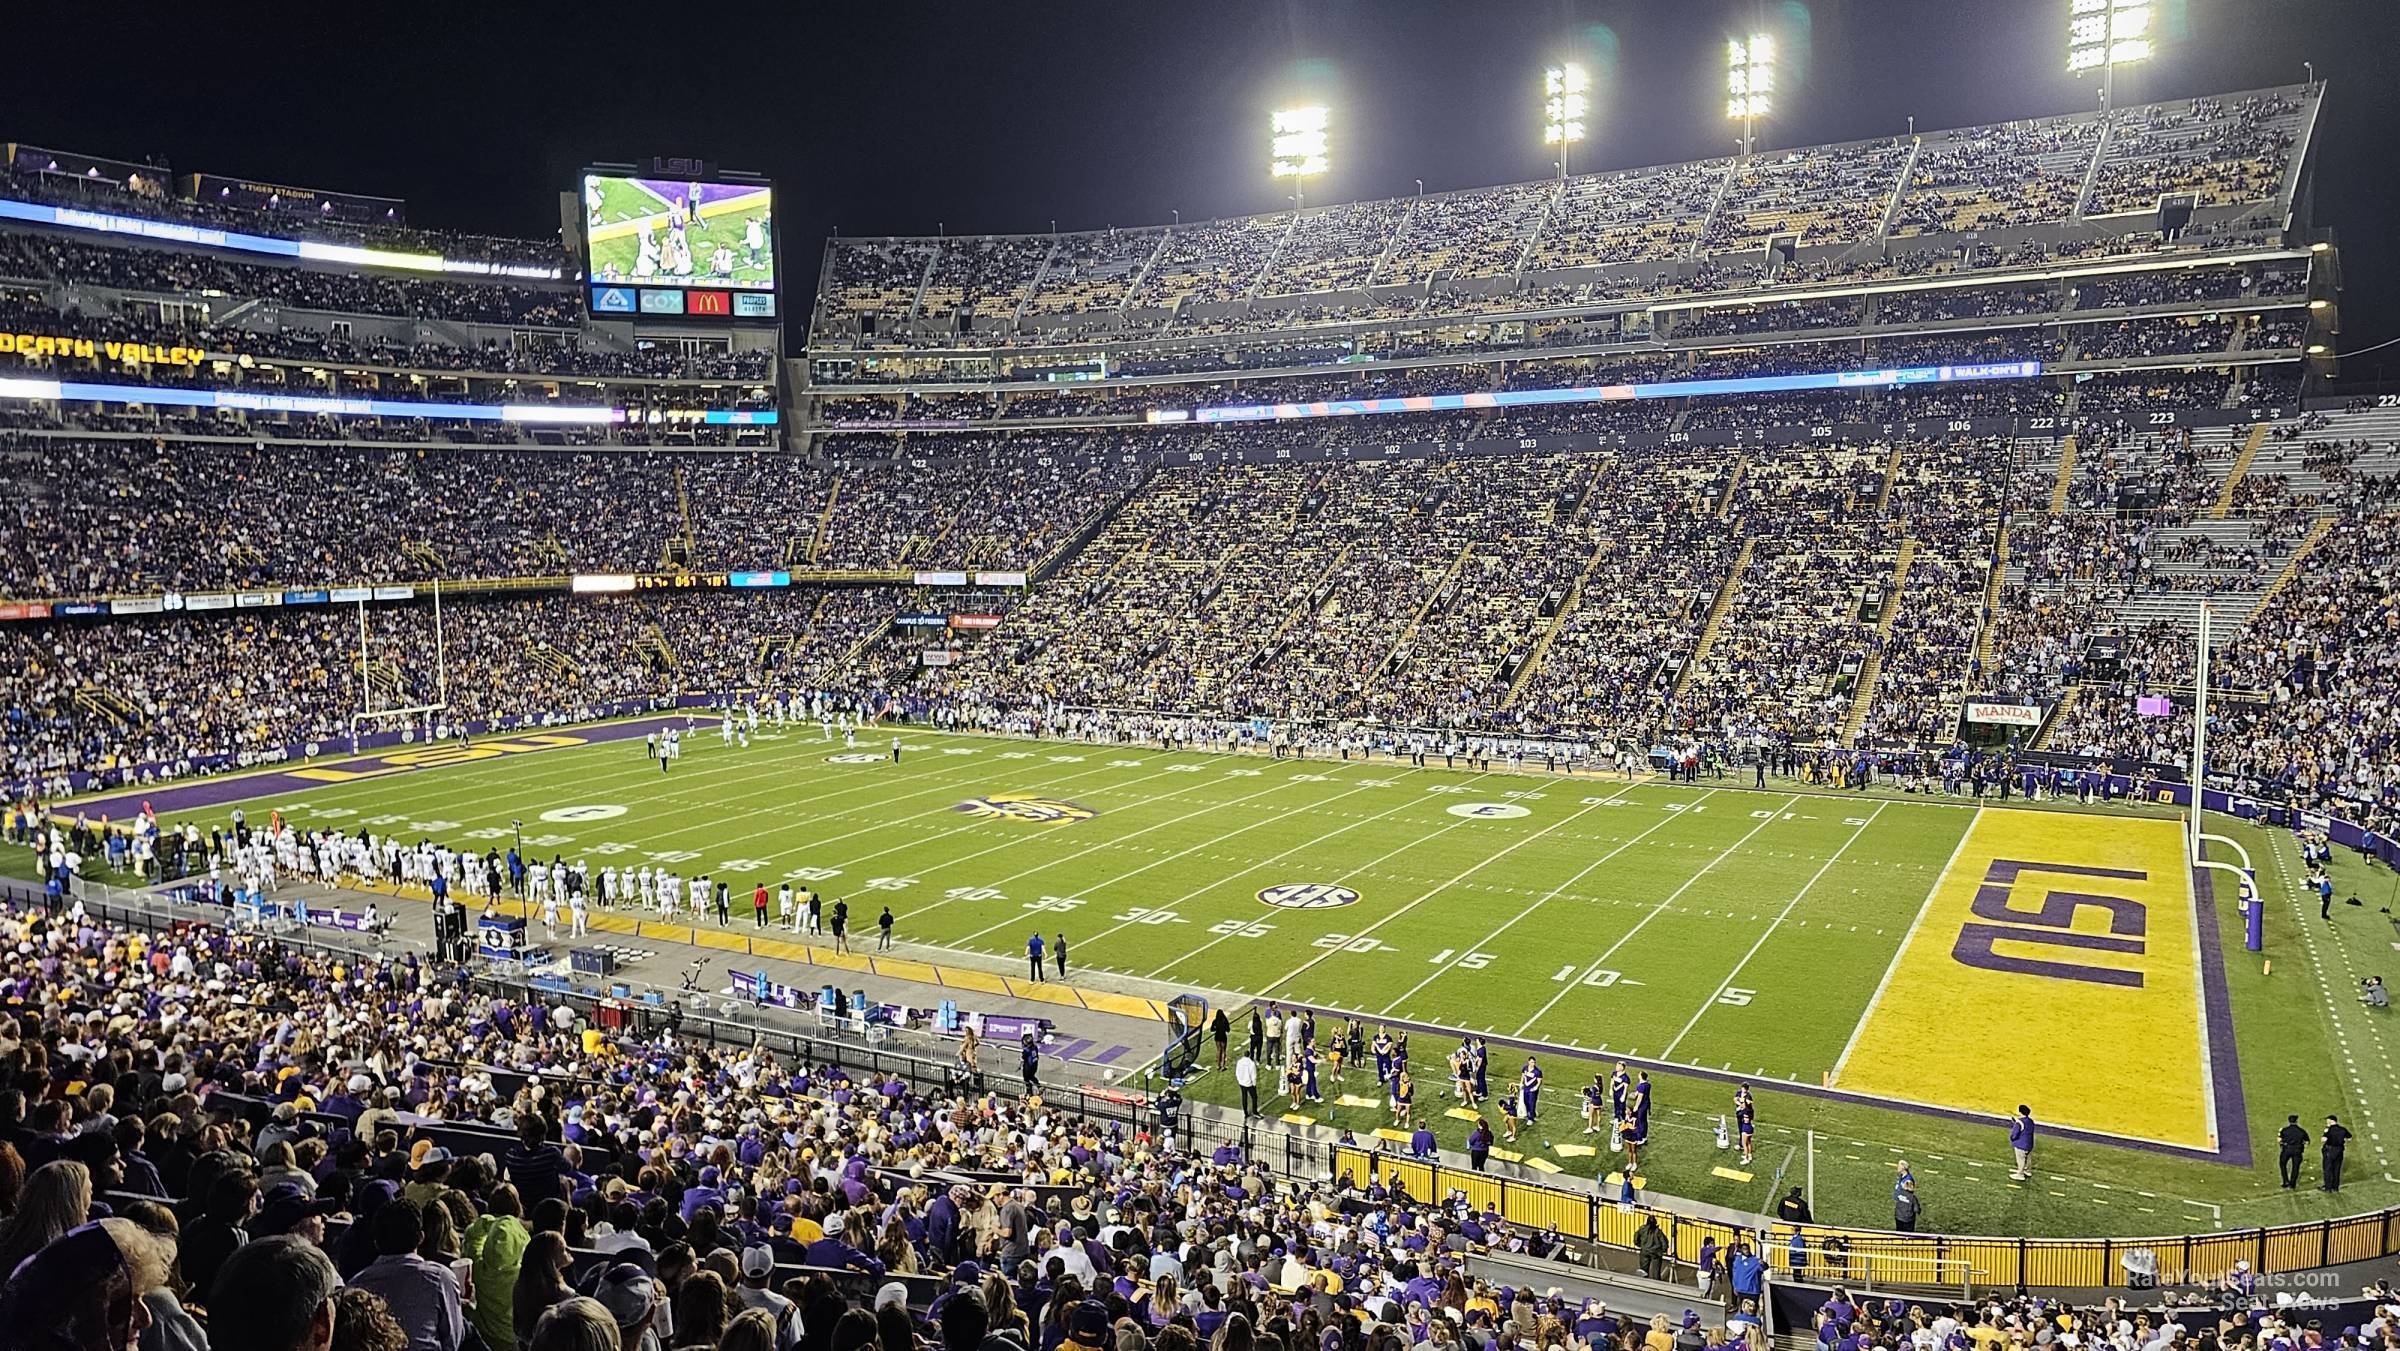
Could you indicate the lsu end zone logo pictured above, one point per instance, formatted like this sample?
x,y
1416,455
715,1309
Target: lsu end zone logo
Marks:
x,y
1026,807
1307,896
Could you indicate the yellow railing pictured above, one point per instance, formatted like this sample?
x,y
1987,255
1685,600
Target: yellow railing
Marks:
x,y
1832,1252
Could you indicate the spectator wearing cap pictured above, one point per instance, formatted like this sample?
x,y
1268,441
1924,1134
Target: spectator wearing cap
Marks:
x,y
834,1252
422,1295
632,1298
287,1209
1068,1252
283,1127
1087,1326
272,1295
428,1166
350,1104
758,1271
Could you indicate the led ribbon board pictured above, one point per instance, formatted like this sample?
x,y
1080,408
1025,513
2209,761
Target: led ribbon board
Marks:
x,y
86,391
1672,389
180,232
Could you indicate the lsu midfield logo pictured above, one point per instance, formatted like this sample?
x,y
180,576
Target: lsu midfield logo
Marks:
x,y
1026,807
1307,896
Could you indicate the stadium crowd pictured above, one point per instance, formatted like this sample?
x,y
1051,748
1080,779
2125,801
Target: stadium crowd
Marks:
x,y
213,1140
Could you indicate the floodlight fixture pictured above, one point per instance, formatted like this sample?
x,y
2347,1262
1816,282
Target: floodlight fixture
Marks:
x,y
1299,143
1565,106
1749,83
2105,34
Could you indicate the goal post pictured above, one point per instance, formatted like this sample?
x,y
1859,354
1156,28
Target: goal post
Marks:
x,y
370,716
2245,876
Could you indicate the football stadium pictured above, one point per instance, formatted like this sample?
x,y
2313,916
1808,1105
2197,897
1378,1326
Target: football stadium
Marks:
x,y
1783,732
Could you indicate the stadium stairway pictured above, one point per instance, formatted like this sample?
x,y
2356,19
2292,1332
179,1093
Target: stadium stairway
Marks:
x,y
1870,671
2091,171
2065,482
1068,549
1891,475
109,705
2317,531
560,666
1306,602
1416,621
2058,710
1733,486
1716,617
657,649
816,542
850,656
1558,622
1990,633
683,513
2241,468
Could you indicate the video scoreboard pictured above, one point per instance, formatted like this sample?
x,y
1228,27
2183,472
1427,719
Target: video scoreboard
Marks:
x,y
670,247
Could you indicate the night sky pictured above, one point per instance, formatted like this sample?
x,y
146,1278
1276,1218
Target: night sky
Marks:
x,y
908,116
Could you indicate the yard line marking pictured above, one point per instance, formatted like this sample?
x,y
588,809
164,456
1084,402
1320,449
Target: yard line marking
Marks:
x,y
1652,913
1843,1060
1485,862
1311,843
447,780
1665,819
1202,810
1769,931
970,825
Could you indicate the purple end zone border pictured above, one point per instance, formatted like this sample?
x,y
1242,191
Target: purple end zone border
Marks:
x,y
2224,1054
196,794
2225,1069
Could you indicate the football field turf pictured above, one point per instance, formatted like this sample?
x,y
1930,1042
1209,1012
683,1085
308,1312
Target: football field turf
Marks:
x,y
1938,964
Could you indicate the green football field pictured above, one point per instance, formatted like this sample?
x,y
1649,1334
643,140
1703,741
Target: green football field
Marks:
x,y
1701,928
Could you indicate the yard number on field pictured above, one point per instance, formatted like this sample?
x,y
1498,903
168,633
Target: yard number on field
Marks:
x,y
1140,915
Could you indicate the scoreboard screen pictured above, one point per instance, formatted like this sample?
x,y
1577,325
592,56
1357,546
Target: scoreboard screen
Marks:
x,y
678,249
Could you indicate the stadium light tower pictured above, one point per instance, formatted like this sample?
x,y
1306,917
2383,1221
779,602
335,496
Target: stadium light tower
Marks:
x,y
1299,145
2105,34
1749,84
1564,104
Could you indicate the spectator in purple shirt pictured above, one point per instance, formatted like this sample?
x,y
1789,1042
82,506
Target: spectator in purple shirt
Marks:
x,y
422,1295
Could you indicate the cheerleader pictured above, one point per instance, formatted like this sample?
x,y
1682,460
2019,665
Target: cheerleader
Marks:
x,y
1404,1098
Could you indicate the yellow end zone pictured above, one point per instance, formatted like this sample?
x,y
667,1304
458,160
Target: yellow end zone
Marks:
x,y
2056,954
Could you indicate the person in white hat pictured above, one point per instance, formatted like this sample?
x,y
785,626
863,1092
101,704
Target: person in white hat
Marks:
x,y
758,1269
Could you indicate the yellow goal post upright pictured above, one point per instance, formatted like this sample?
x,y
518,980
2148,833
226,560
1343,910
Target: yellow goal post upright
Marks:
x,y
369,716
